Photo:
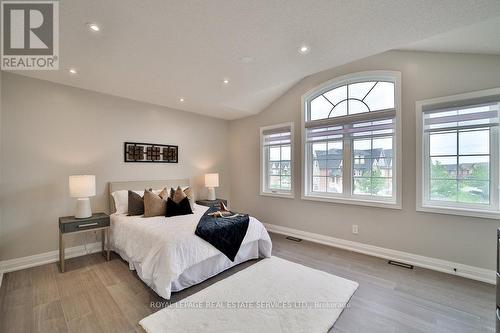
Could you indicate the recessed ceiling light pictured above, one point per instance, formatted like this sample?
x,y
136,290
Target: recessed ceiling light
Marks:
x,y
94,27
225,81
181,99
73,71
304,49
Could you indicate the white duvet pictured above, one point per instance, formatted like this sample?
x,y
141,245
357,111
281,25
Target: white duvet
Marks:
x,y
162,248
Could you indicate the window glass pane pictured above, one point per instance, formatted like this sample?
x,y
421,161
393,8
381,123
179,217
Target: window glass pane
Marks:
x,y
356,107
319,150
335,149
362,148
319,184
337,95
382,147
335,184
443,144
474,142
285,168
359,90
443,167
339,110
286,153
274,168
474,191
286,183
362,186
444,190
334,167
320,108
362,167
274,153
381,97
382,167
382,187
319,167
274,182
474,167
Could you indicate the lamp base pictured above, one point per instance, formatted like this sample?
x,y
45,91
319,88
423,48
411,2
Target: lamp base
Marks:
x,y
211,193
83,208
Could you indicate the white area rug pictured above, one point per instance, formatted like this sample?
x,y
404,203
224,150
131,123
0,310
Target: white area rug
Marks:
x,y
273,295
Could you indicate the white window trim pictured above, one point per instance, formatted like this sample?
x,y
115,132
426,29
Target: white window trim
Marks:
x,y
279,194
442,208
380,75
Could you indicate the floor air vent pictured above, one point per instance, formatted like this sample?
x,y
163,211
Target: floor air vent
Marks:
x,y
400,264
295,239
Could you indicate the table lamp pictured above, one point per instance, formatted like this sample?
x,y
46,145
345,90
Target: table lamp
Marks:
x,y
211,181
82,187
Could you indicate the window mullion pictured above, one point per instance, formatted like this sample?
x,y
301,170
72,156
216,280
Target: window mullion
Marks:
x,y
494,167
347,167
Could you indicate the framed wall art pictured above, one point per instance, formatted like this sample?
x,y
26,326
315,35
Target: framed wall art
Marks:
x,y
150,153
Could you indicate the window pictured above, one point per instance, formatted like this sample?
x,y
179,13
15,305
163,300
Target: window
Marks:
x,y
277,160
458,155
351,140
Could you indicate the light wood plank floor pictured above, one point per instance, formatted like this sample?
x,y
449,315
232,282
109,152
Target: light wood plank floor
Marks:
x,y
99,296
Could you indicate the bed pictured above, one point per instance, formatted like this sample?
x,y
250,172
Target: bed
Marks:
x,y
166,253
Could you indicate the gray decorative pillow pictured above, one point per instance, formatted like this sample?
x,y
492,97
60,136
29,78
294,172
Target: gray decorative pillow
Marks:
x,y
135,204
154,205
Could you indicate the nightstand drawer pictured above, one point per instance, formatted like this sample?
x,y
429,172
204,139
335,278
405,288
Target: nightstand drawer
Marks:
x,y
84,224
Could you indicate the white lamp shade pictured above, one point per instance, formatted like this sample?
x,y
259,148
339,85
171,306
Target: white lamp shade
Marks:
x,y
82,186
212,180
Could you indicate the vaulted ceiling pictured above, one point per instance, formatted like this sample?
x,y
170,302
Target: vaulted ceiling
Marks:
x,y
159,51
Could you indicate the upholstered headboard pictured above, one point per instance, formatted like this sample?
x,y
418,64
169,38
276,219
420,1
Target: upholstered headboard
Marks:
x,y
141,185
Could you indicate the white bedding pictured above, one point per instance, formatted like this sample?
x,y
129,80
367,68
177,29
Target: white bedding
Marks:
x,y
168,256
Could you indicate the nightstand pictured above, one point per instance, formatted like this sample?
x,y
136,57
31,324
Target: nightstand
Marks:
x,y
72,225
212,203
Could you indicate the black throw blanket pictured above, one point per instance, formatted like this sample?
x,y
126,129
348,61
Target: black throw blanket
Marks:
x,y
224,233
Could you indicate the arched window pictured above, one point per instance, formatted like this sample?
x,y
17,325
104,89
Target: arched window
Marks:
x,y
351,139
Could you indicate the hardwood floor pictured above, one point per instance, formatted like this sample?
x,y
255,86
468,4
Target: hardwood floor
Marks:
x,y
99,296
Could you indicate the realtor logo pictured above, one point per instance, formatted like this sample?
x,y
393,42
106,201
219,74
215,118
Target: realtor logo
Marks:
x,y
30,35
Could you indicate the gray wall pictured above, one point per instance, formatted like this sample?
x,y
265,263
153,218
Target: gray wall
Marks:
x,y
50,131
424,75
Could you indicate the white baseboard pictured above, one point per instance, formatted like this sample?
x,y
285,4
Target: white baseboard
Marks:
x,y
46,258
470,272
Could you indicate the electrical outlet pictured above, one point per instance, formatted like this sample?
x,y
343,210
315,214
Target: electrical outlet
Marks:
x,y
355,229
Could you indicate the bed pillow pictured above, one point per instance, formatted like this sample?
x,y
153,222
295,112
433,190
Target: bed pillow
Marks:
x,y
154,205
121,201
135,204
164,193
181,208
190,195
177,195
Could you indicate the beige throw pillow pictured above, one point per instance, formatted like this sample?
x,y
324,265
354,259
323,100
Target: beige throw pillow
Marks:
x,y
177,195
164,193
188,191
190,196
154,205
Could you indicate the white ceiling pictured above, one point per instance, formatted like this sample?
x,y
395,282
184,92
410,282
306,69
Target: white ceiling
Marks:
x,y
482,38
159,50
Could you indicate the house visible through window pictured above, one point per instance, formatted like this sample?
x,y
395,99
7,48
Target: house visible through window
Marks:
x,y
277,160
351,138
459,162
